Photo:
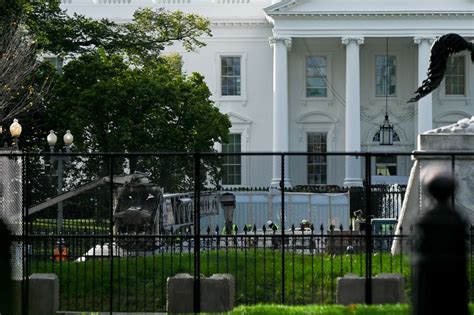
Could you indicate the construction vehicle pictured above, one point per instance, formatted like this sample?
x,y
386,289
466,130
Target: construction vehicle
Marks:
x,y
141,208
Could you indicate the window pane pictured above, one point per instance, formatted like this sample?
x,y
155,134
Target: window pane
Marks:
x,y
316,164
316,76
385,75
232,164
230,76
386,165
455,76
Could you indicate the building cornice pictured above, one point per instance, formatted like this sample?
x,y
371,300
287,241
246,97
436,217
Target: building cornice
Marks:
x,y
381,14
240,22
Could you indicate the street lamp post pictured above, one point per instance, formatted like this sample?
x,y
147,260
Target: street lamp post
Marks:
x,y
52,139
15,131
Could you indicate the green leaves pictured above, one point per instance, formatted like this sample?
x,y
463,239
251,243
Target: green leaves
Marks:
x,y
141,40
111,107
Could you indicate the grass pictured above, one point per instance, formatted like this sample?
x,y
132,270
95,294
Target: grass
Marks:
x,y
323,309
139,283
354,309
269,309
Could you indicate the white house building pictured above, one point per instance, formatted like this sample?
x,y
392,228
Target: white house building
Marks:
x,y
302,75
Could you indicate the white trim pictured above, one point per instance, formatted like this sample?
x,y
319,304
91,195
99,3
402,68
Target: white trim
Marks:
x,y
380,14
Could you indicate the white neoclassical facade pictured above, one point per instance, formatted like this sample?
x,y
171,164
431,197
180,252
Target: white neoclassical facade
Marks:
x,y
319,76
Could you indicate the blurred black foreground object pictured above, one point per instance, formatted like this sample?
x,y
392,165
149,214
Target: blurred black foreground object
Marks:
x,y
440,283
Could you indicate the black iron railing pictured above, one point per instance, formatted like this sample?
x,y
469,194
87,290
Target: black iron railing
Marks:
x,y
103,270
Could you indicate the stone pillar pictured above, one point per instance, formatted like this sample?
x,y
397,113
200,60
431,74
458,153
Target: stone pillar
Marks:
x,y
353,164
425,105
281,45
43,296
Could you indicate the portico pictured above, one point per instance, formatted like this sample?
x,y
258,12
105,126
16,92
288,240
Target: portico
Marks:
x,y
359,109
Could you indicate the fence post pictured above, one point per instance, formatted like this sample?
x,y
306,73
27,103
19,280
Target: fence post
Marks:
x,y
6,296
368,230
111,235
440,283
282,189
26,241
197,232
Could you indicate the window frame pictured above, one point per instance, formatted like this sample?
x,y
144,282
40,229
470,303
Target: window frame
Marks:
x,y
326,163
463,62
467,81
329,68
325,78
243,77
383,95
241,161
386,164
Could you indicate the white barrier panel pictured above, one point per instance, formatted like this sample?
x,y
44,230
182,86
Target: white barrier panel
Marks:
x,y
256,208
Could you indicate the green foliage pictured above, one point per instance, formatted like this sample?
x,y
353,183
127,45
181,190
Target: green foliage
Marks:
x,y
118,93
116,108
141,40
396,309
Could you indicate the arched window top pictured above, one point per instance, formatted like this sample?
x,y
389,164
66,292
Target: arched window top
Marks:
x,y
395,137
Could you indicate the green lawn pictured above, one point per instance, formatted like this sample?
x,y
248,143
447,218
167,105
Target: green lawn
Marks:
x,y
138,283
355,309
323,309
269,309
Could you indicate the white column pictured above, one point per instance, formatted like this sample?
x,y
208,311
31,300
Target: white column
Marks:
x,y
281,45
353,164
425,105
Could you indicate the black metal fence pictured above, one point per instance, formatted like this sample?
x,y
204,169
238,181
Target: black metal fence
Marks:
x,y
102,269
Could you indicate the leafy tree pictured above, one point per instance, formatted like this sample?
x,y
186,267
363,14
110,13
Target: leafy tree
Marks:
x,y
31,27
112,107
142,39
118,92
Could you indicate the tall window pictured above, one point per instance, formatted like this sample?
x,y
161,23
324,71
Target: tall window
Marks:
x,y
232,166
317,164
385,75
386,165
230,76
316,76
455,77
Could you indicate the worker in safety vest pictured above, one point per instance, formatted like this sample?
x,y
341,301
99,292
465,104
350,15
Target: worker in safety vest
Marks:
x,y
60,251
234,229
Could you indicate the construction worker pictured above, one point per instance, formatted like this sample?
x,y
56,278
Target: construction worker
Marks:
x,y
60,251
233,231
